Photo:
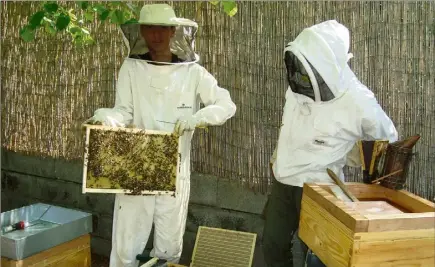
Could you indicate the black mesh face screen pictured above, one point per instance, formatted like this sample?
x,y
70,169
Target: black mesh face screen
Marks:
x,y
297,76
299,80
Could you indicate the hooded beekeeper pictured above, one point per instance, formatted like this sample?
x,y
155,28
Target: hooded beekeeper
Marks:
x,y
160,87
327,111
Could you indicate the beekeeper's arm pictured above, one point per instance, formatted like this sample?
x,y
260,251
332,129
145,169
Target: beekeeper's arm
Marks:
x,y
376,125
122,113
218,105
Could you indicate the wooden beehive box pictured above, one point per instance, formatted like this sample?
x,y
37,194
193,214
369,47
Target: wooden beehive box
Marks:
x,y
75,253
386,228
130,160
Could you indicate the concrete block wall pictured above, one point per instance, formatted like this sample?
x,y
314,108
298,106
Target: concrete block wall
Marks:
x,y
214,202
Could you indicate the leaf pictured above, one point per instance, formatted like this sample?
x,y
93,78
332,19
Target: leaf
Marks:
x,y
103,16
214,2
71,15
35,20
27,33
117,17
84,5
50,29
85,31
51,7
75,29
102,11
62,22
230,7
88,40
99,8
89,16
131,21
49,25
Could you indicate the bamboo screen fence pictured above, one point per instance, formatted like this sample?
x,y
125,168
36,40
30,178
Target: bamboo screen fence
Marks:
x,y
49,87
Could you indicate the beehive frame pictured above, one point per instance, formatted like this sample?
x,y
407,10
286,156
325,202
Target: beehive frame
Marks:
x,y
120,167
222,247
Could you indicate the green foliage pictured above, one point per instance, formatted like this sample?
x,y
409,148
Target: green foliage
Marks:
x,y
55,18
229,7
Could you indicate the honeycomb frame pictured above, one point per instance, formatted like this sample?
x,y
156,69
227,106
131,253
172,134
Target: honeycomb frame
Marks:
x,y
130,160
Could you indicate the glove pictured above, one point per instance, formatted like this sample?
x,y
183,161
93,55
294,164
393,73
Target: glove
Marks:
x,y
353,158
187,124
107,117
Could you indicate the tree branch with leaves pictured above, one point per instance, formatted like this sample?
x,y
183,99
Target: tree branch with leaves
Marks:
x,y
54,18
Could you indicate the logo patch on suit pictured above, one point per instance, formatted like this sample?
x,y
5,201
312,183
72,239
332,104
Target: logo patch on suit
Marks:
x,y
183,106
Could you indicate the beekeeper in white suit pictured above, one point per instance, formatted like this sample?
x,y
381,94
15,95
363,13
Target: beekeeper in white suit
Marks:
x,y
160,87
327,110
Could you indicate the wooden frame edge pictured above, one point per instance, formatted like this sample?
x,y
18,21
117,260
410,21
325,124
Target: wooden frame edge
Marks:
x,y
351,218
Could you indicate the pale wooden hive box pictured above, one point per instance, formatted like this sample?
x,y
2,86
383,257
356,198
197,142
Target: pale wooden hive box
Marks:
x,y
386,228
75,253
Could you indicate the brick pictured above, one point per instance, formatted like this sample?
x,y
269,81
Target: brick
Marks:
x,y
234,197
219,218
203,189
11,201
100,246
59,192
69,170
99,203
31,165
103,226
18,184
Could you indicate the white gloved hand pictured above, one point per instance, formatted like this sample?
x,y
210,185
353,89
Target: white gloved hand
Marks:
x,y
187,124
107,117
353,158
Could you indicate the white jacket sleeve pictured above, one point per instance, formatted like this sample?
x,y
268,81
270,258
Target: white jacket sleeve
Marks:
x,y
218,104
124,98
376,124
122,113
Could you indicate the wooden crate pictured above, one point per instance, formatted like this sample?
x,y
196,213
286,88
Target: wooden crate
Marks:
x,y
75,253
400,234
130,160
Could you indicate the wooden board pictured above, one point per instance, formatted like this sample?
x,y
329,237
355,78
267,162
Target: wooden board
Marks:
x,y
130,160
329,238
400,233
396,248
368,208
346,215
75,253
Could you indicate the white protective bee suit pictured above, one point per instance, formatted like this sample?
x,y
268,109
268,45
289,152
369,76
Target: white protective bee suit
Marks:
x,y
324,118
155,97
326,111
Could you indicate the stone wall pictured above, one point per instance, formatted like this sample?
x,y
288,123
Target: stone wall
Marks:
x,y
214,202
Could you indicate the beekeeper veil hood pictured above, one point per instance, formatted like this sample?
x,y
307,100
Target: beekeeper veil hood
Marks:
x,y
316,61
181,44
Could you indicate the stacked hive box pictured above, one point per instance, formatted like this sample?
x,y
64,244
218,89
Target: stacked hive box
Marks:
x,y
386,228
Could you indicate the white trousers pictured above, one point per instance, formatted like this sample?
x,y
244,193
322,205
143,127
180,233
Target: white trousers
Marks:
x,y
132,222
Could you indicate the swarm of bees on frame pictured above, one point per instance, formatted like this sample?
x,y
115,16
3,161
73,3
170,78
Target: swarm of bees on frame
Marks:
x,y
133,161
